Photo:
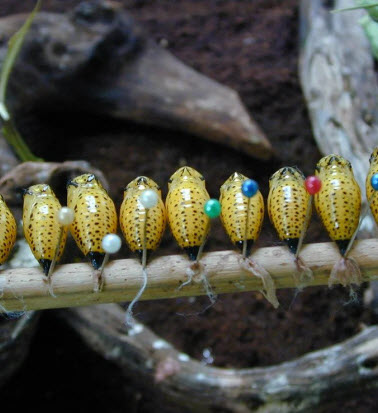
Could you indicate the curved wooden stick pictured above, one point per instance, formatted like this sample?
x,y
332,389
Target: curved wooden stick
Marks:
x,y
23,288
300,385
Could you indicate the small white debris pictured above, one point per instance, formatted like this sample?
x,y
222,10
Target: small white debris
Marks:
x,y
159,344
136,329
183,357
207,357
277,383
200,377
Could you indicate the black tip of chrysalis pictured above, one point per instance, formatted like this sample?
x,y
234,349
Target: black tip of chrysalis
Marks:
x,y
292,243
343,245
46,264
96,259
250,243
192,252
140,254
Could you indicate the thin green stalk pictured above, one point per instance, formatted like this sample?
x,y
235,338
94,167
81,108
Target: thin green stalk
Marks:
x,y
19,146
9,129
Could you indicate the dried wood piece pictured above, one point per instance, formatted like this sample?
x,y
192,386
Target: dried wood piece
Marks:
x,y
339,83
97,59
73,283
296,386
53,173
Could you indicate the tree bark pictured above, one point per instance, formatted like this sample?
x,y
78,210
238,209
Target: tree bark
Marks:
x,y
73,283
340,85
296,386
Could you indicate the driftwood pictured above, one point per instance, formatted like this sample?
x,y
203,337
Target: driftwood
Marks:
x,y
97,59
340,85
296,386
73,283
341,89
53,173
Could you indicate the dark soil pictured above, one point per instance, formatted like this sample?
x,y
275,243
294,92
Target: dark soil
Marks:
x,y
252,47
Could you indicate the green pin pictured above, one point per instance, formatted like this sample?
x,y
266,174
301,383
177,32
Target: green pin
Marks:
x,y
212,208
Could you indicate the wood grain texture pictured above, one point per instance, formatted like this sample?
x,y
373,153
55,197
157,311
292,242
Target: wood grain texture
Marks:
x,y
300,385
73,283
339,83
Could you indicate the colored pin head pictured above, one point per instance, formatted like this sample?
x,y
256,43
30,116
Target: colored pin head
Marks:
x,y
250,188
65,216
149,198
313,184
111,243
212,208
374,182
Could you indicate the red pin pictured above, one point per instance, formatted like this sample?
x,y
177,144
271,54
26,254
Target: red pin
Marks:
x,y
313,184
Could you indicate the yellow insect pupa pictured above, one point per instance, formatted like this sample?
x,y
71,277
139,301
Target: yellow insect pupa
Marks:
x,y
41,227
8,231
287,205
185,202
235,209
95,216
289,211
133,215
143,221
242,218
338,204
188,221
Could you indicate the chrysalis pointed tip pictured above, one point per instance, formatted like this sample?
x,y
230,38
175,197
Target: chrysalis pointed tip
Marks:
x,y
46,264
292,243
96,259
250,243
343,245
192,252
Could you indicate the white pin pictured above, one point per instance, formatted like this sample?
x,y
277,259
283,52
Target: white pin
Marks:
x,y
149,199
65,217
111,244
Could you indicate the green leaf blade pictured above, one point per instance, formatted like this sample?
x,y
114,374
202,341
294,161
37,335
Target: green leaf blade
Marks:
x,y
14,47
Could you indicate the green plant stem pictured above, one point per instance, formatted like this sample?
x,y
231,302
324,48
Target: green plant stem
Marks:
x,y
19,146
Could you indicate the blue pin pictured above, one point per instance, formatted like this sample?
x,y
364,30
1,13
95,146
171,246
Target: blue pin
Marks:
x,y
250,187
374,182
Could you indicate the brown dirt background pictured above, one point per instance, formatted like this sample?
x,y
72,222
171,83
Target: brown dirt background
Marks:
x,y
253,48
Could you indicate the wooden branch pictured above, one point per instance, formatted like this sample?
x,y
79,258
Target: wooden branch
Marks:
x,y
296,386
340,85
55,174
73,283
97,59
339,82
